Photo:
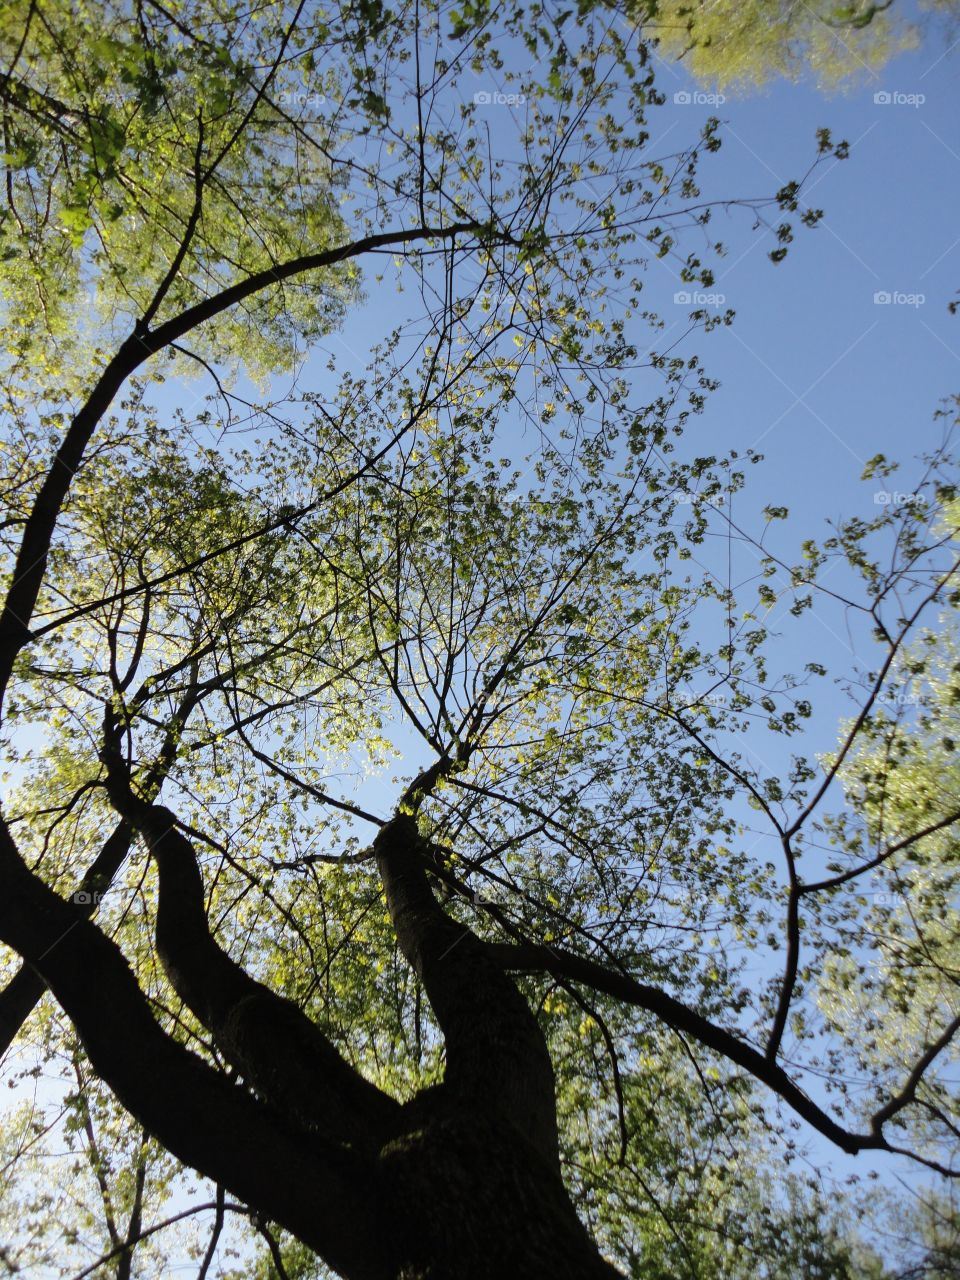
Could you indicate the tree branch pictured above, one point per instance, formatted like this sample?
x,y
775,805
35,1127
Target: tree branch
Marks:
x,y
145,1234
275,1046
529,957
326,1195
23,992
31,560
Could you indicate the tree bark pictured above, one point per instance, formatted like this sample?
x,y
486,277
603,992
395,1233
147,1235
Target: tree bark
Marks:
x,y
476,1177
461,1183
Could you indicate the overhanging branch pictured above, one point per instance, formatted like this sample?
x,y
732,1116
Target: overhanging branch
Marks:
x,y
144,342
529,957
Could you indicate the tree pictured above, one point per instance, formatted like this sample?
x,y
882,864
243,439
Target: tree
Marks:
x,y
898,972
432,1026
931,1243
744,46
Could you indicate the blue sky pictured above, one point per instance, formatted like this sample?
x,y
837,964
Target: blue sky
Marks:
x,y
815,373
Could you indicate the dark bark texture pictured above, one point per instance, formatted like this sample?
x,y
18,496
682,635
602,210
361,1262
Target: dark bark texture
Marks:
x,y
461,1182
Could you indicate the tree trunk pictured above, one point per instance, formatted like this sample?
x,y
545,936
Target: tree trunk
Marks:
x,y
475,1173
473,1200
461,1183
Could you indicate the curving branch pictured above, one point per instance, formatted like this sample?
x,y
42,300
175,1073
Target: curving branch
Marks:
x,y
272,1043
300,1179
218,1206
530,957
835,881
23,992
31,562
907,1094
